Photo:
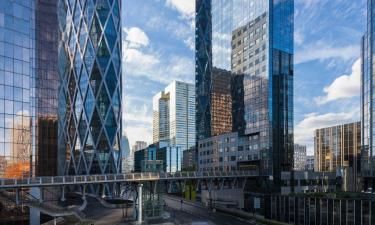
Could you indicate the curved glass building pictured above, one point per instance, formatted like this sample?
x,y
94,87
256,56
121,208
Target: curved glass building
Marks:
x,y
90,86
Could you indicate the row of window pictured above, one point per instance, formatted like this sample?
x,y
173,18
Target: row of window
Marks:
x,y
232,158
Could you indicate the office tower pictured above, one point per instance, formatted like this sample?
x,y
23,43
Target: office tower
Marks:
x,y
310,163
190,159
174,115
253,39
221,102
127,155
90,87
338,147
229,151
139,145
299,157
28,88
160,117
367,102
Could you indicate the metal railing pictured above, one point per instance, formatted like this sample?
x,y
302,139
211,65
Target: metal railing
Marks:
x,y
118,178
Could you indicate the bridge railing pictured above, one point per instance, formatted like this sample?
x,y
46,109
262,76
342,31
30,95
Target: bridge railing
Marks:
x,y
57,180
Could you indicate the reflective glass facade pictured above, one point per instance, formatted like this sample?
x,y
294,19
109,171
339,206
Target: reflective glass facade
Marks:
x,y
28,88
253,41
367,96
90,86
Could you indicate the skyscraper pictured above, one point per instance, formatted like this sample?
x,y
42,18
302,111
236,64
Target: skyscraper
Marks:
x,y
253,41
337,146
367,102
90,87
28,88
174,115
299,160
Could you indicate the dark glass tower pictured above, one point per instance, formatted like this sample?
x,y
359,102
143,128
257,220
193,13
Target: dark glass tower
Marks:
x,y
90,87
253,40
367,100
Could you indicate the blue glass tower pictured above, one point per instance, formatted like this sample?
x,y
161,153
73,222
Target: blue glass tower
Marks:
x,y
90,86
253,41
367,101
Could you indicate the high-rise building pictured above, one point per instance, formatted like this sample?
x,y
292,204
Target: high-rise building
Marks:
x,y
367,101
190,159
139,145
127,155
160,117
310,162
90,87
174,115
252,40
299,157
337,147
28,88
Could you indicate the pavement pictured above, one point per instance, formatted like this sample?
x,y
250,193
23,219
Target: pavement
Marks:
x,y
191,214
195,214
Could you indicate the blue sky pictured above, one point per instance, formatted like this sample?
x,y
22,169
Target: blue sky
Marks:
x,y
158,47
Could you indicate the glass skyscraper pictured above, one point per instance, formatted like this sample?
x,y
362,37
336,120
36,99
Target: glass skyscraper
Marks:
x,y
90,87
252,40
367,101
28,88
174,115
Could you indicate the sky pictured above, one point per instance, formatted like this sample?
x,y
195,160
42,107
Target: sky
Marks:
x,y
158,48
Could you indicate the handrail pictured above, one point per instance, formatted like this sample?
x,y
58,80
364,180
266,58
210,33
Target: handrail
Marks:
x,y
115,178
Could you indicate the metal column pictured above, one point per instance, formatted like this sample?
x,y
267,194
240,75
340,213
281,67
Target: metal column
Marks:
x,y
139,219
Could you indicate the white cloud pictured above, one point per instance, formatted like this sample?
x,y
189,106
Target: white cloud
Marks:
x,y
137,118
136,37
138,133
304,131
190,42
185,7
298,37
345,86
323,52
139,58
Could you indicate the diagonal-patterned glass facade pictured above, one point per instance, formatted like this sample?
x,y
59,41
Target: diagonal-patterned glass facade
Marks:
x,y
90,86
252,41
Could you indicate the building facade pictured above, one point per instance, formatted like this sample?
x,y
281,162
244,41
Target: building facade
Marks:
x,y
158,157
310,163
139,145
90,87
253,42
338,147
174,115
190,159
299,157
227,151
367,102
28,88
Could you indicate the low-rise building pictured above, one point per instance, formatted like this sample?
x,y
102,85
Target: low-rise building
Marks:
x,y
308,181
227,151
158,157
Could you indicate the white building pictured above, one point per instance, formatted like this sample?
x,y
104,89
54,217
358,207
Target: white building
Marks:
x,y
174,115
299,157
